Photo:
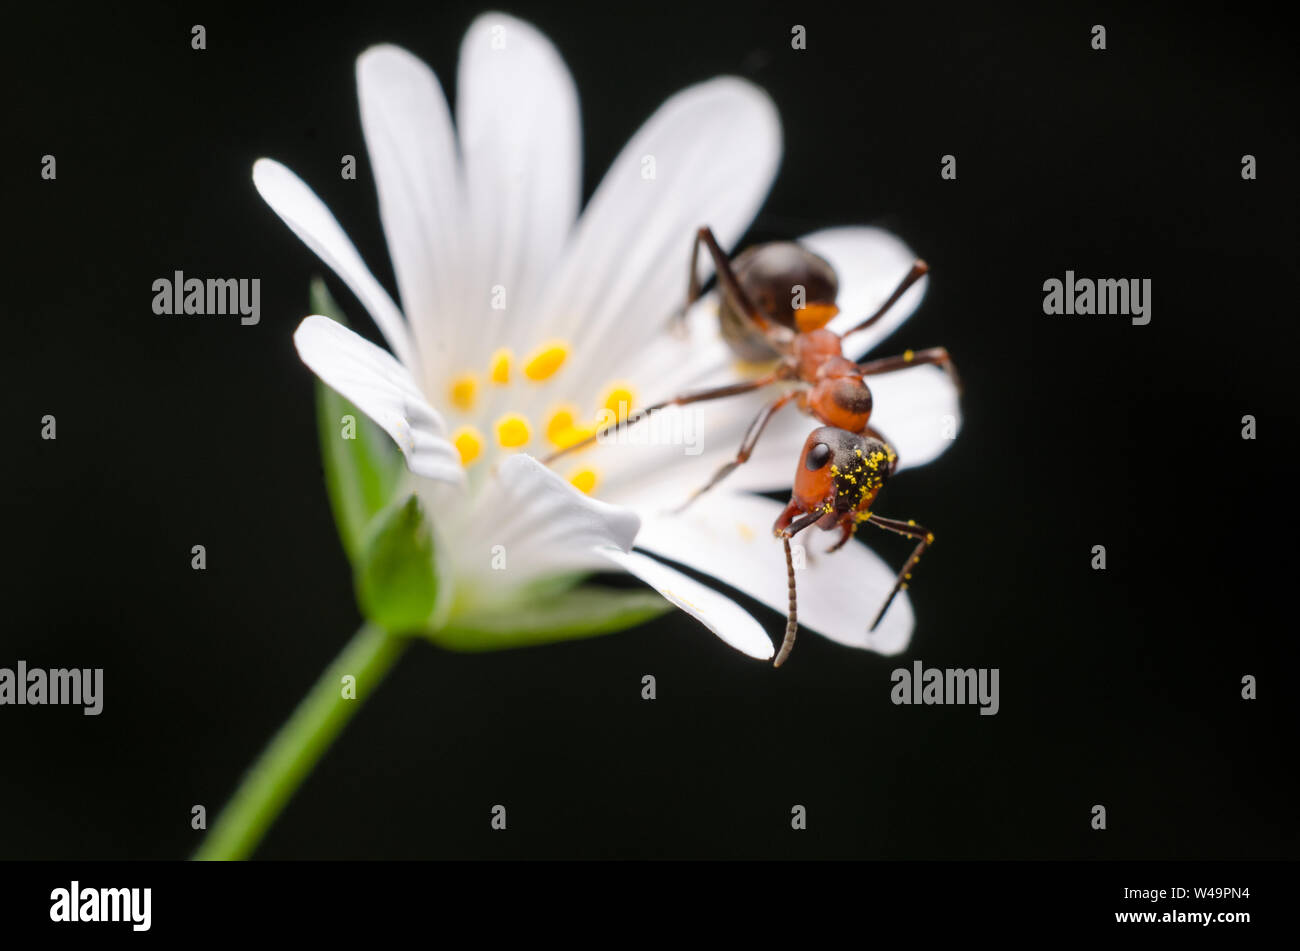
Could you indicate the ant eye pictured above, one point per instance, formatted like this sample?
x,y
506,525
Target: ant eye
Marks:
x,y
818,456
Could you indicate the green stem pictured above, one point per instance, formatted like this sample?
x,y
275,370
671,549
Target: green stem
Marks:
x,y
301,742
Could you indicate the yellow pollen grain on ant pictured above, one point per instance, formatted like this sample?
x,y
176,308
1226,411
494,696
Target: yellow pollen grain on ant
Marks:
x,y
861,516
546,360
585,480
512,431
929,538
561,420
469,443
908,356
499,369
618,401
910,522
463,391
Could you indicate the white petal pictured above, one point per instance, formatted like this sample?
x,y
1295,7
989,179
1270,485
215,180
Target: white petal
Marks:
x,y
540,524
381,388
671,364
715,611
517,118
413,151
730,537
918,411
311,221
870,262
715,148
662,460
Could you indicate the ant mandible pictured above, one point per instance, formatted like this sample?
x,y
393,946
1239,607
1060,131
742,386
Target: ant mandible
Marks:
x,y
844,463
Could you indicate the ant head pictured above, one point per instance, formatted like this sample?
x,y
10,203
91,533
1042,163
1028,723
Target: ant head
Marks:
x,y
770,275
840,472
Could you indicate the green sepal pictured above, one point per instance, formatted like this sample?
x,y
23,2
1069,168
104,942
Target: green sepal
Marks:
x,y
362,474
574,613
396,577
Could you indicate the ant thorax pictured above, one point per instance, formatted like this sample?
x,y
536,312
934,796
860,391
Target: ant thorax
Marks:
x,y
815,350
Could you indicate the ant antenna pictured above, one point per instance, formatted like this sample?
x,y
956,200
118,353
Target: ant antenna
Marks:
x,y
792,619
792,528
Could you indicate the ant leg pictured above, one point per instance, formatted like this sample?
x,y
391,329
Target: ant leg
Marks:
x,y
726,280
692,289
919,270
717,393
911,530
937,356
693,283
847,528
786,526
746,447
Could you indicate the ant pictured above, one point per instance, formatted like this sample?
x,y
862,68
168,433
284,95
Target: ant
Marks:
x,y
845,462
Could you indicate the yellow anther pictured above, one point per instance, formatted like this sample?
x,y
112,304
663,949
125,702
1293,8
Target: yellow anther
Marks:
x,y
618,401
513,431
464,389
562,418
469,443
585,480
500,367
571,436
548,358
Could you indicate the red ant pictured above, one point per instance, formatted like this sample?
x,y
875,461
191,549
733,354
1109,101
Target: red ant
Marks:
x,y
844,463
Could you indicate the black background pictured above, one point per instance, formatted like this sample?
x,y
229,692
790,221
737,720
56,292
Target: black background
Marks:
x,y
1119,687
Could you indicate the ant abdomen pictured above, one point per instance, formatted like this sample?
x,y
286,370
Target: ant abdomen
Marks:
x,y
790,285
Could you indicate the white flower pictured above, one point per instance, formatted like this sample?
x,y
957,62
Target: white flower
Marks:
x,y
520,322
